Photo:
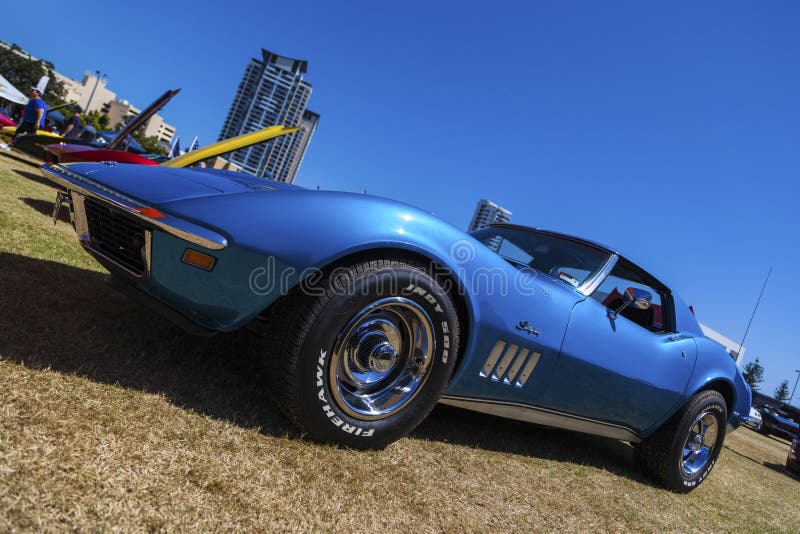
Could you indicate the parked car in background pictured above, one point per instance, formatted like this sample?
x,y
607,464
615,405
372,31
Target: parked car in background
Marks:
x,y
774,422
5,120
793,458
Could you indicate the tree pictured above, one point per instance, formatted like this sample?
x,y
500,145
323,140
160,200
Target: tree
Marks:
x,y
24,72
150,144
782,391
98,121
754,374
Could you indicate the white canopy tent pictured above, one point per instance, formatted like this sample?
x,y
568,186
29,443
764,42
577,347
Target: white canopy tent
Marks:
x,y
9,92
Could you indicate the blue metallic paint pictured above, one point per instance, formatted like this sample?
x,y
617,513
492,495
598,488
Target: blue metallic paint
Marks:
x,y
619,371
591,367
218,300
717,366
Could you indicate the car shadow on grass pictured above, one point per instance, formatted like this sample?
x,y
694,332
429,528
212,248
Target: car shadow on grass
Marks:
x,y
67,319
36,177
463,427
781,468
22,158
741,455
46,208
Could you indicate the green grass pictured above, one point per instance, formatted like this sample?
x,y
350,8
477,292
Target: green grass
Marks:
x,y
112,418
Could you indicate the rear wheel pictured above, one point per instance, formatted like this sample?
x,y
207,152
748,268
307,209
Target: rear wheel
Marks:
x,y
683,451
361,358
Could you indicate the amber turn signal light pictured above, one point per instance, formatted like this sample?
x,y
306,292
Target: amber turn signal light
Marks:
x,y
150,212
198,259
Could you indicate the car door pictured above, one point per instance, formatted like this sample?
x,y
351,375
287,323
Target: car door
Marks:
x,y
516,342
628,369
520,320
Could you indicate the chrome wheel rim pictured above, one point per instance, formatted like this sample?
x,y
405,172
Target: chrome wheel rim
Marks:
x,y
382,358
700,444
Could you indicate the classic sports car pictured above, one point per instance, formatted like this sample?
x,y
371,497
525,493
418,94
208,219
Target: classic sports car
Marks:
x,y
373,311
793,457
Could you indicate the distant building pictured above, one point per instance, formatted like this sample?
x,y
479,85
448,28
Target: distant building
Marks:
x,y
121,111
730,346
89,87
486,213
272,91
218,162
156,127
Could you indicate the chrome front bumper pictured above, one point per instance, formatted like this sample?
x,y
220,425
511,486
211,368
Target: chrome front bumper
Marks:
x,y
86,187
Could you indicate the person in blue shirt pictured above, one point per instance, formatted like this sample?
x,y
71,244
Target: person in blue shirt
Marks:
x,y
33,115
74,126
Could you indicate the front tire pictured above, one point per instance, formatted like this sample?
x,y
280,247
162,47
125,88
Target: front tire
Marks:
x,y
681,453
361,358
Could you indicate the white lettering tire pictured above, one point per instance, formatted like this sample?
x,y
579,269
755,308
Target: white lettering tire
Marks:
x,y
361,358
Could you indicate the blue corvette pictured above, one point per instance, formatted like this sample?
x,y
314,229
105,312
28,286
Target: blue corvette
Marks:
x,y
374,311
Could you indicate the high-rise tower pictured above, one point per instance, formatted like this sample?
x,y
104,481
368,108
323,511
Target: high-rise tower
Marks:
x,y
486,213
272,91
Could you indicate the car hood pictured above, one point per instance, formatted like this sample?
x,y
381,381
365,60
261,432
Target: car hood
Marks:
x,y
155,186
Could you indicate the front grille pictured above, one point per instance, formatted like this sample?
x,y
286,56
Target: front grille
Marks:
x,y
116,235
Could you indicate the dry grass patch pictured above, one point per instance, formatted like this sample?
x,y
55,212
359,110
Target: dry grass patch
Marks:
x,y
111,418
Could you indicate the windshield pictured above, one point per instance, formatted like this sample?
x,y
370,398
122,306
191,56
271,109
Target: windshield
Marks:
x,y
567,260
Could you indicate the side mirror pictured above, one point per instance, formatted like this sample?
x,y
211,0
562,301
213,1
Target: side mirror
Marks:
x,y
632,296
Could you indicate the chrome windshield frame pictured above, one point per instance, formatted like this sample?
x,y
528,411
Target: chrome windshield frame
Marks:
x,y
592,283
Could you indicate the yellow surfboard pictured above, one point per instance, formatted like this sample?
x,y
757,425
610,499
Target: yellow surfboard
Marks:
x,y
229,145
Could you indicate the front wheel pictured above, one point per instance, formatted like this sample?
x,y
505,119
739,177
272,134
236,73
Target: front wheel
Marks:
x,y
683,451
362,357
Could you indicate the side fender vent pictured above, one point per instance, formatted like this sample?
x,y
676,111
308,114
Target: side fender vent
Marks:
x,y
516,364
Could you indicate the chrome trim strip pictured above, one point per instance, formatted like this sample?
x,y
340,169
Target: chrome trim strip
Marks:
x,y
492,359
523,355
79,214
543,416
588,287
526,373
148,251
172,225
500,370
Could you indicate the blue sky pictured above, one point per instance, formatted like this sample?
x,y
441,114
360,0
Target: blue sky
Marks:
x,y
670,132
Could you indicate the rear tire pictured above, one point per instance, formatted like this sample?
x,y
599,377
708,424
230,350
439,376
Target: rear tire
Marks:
x,y
361,358
681,453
